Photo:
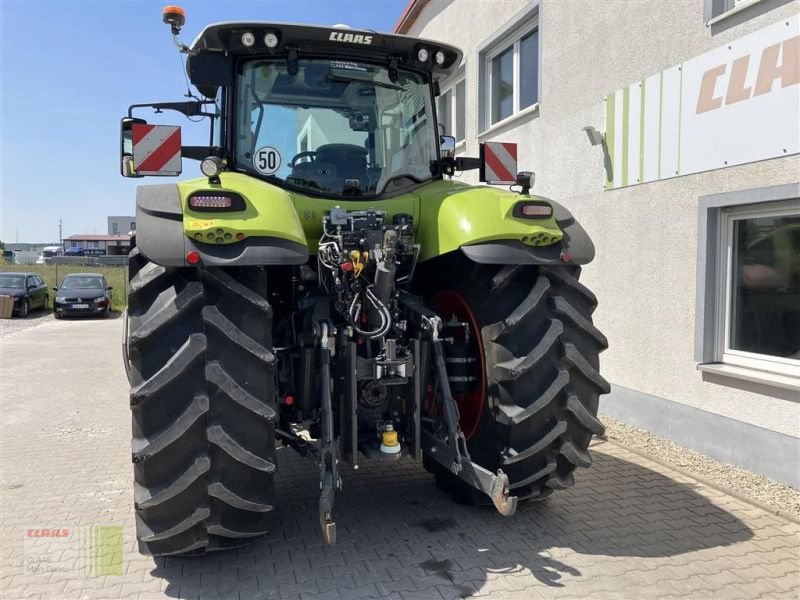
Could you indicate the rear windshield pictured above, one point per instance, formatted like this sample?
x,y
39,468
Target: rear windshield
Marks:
x,y
335,127
16,282
73,283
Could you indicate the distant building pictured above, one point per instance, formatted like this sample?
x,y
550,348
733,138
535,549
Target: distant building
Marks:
x,y
110,245
121,225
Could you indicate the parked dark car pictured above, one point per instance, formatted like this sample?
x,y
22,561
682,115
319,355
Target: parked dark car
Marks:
x,y
28,290
82,294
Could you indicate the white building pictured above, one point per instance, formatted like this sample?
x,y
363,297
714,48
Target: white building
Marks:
x,y
121,225
99,245
691,196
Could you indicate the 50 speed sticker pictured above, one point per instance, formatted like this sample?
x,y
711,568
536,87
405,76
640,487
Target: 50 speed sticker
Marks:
x,y
267,160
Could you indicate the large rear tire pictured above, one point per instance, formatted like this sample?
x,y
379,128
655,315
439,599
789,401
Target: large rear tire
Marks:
x,y
538,369
203,403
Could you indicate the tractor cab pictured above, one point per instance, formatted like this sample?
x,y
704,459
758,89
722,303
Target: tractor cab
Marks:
x,y
322,111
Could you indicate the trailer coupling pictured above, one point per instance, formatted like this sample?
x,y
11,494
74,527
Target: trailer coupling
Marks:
x,y
450,450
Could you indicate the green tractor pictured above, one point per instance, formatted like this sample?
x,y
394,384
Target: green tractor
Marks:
x,y
327,286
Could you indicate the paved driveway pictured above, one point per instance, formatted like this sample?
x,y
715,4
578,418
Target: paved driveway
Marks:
x,y
629,529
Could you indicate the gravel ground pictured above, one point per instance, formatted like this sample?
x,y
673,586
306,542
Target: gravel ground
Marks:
x,y
781,497
37,317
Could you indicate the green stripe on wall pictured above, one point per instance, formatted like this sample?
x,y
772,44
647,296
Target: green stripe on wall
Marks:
x,y
625,115
660,115
680,115
610,139
641,136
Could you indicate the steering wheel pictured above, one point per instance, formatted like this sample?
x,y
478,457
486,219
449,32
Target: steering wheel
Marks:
x,y
307,154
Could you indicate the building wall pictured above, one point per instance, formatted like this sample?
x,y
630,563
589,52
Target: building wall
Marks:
x,y
646,235
108,247
123,225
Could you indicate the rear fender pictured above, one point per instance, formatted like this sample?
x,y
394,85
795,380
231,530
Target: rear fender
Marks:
x,y
166,230
576,246
482,222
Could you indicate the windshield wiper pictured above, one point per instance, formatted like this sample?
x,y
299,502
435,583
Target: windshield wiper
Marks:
x,y
398,178
392,179
342,79
302,183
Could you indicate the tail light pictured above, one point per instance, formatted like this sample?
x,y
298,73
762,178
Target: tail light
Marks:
x,y
216,202
533,210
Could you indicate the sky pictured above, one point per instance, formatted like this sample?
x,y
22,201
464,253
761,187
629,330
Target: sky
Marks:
x,y
69,69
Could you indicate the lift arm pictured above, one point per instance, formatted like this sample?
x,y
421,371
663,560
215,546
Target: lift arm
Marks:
x,y
452,453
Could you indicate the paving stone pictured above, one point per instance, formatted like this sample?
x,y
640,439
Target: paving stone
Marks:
x,y
329,595
431,594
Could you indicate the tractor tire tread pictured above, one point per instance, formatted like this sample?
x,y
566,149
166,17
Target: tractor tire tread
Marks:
x,y
541,354
203,406
145,448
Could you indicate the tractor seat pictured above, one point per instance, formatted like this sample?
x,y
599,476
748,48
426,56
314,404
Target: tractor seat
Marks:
x,y
348,160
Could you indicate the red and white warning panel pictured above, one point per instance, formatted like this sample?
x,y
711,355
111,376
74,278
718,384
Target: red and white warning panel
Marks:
x,y
499,163
156,149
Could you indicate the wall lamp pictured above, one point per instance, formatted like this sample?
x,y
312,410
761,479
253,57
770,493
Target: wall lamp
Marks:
x,y
595,137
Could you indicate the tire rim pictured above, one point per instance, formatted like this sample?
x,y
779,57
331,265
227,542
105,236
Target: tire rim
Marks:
x,y
449,303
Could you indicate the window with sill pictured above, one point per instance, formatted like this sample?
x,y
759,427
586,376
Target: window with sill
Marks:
x,y
451,107
719,8
511,72
758,324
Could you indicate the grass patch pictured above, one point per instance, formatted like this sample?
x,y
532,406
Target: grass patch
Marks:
x,y
54,274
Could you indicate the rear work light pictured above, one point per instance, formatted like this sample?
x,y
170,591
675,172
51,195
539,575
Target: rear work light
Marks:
x,y
216,201
210,202
533,210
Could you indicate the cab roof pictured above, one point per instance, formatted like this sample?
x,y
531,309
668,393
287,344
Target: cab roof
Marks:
x,y
310,41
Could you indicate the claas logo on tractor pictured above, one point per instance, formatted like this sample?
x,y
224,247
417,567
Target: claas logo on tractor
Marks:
x,y
327,283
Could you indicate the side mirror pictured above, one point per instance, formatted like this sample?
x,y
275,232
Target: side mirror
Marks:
x,y
447,146
109,288
55,289
149,149
127,168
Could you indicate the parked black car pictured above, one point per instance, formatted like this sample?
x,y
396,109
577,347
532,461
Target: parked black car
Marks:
x,y
28,290
82,294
